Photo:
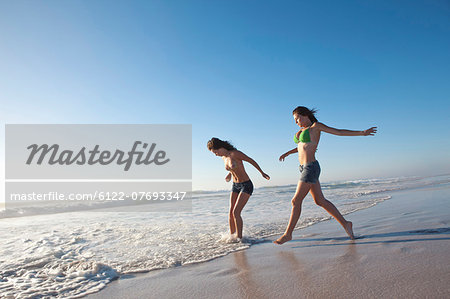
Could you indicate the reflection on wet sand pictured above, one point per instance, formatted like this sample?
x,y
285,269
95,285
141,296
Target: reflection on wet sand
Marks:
x,y
247,285
296,273
307,279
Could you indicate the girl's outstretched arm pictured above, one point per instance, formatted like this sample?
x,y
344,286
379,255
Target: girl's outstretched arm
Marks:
x,y
292,151
244,157
341,132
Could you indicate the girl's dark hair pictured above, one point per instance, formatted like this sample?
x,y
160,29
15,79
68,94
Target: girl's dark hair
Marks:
x,y
216,143
300,110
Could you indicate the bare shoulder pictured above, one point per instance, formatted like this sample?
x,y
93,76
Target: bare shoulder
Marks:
x,y
318,125
236,154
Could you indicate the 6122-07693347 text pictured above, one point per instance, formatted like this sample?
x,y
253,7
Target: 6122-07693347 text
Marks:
x,y
99,195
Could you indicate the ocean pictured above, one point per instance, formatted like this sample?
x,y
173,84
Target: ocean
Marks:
x,y
72,254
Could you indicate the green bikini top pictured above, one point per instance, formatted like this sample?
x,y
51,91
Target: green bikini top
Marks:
x,y
304,137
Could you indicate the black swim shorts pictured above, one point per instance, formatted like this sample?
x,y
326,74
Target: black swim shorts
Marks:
x,y
246,187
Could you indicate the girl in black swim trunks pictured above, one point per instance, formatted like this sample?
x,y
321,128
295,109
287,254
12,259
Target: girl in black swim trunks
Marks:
x,y
242,185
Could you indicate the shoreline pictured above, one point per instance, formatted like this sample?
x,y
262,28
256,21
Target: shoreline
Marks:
x,y
320,255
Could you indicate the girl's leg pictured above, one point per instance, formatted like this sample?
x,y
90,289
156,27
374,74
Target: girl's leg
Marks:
x,y
233,198
320,200
300,193
240,204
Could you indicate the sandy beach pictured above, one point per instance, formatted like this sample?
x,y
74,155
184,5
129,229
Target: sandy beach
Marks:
x,y
137,134
403,252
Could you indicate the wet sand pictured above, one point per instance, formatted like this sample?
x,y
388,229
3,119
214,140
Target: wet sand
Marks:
x,y
403,252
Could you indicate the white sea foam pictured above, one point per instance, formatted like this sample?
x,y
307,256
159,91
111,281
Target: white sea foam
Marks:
x,y
77,253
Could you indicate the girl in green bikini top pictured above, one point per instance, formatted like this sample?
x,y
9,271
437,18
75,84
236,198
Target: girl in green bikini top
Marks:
x,y
308,140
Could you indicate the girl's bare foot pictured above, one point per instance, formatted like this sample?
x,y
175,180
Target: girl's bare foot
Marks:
x,y
349,229
283,239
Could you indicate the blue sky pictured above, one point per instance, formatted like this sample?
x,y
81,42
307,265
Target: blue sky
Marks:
x,y
236,70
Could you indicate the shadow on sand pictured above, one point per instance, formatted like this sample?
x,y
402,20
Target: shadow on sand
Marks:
x,y
422,232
